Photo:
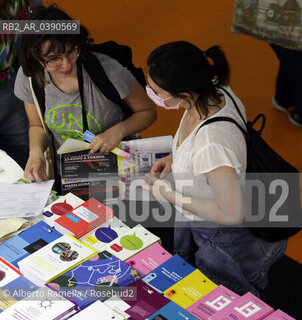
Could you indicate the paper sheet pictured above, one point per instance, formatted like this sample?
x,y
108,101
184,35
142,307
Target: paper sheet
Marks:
x,y
10,170
72,145
11,226
23,200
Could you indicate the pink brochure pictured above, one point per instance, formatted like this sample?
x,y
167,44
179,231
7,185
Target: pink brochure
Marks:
x,y
149,259
247,307
213,302
279,315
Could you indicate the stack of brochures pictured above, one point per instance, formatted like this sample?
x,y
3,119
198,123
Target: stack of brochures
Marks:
x,y
55,259
79,261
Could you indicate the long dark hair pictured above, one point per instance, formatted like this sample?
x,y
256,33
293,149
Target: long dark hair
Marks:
x,y
180,66
30,55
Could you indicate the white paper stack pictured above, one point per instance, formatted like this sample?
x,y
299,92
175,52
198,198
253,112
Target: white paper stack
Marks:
x,y
55,259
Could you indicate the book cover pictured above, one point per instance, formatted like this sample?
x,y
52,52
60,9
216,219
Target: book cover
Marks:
x,y
89,175
190,289
171,311
100,273
246,307
137,301
83,218
55,259
213,302
11,281
97,308
131,242
279,315
105,189
61,206
105,233
27,242
169,273
149,259
43,305
79,164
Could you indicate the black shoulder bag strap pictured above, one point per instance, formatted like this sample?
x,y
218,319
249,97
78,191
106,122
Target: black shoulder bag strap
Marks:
x,y
228,119
248,124
235,104
81,89
99,77
40,95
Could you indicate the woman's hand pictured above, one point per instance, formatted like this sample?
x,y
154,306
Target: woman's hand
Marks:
x,y
38,142
159,189
106,141
35,167
162,166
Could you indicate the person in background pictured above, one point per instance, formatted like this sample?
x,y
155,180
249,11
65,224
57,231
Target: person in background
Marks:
x,y
208,165
289,83
51,59
279,24
13,120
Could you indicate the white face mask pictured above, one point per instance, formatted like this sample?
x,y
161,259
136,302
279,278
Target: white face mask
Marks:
x,y
160,101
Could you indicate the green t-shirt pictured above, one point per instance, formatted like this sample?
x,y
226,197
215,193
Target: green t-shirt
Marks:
x,y
63,112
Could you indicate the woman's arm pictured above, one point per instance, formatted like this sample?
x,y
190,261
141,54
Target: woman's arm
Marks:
x,y
227,208
144,115
38,142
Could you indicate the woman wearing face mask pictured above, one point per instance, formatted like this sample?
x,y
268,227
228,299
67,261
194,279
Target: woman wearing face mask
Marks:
x,y
52,60
208,165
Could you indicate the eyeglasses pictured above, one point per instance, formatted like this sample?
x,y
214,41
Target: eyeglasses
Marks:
x,y
72,54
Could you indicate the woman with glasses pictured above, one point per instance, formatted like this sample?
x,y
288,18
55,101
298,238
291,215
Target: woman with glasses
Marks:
x,y
52,60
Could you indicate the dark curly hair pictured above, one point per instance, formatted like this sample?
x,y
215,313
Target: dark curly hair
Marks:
x,y
30,53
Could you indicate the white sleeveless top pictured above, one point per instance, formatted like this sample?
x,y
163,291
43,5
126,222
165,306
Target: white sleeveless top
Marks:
x,y
215,145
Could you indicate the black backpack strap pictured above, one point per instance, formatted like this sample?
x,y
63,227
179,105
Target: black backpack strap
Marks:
x,y
235,104
40,95
216,119
249,124
99,77
123,54
81,89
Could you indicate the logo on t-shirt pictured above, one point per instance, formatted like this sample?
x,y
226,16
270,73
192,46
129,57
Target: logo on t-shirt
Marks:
x,y
66,118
